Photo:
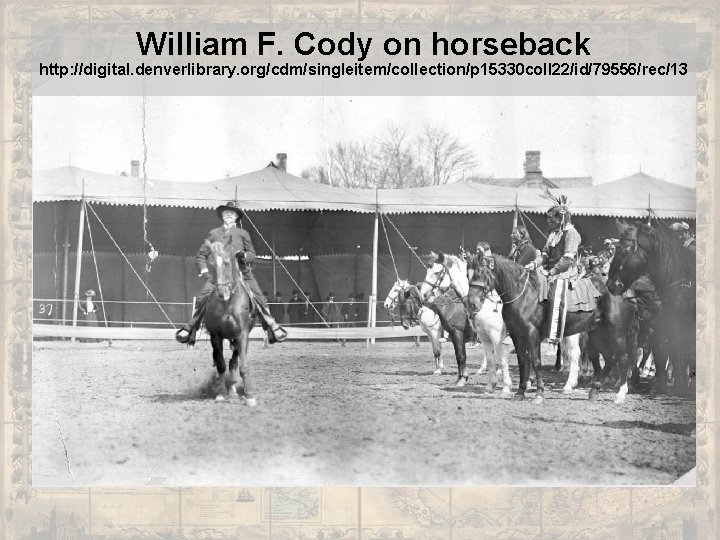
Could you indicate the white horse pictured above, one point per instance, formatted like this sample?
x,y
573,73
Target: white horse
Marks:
x,y
429,320
448,271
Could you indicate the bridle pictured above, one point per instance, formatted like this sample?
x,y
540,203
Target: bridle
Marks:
x,y
394,294
435,286
626,252
224,287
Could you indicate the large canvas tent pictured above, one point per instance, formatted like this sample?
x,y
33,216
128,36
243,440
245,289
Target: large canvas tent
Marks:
x,y
321,226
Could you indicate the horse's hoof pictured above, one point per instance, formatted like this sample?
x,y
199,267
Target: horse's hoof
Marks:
x,y
219,398
567,390
460,382
506,393
538,400
519,397
489,388
593,395
619,400
251,402
437,372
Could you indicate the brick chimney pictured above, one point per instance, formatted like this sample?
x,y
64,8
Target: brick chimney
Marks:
x,y
135,168
281,161
533,174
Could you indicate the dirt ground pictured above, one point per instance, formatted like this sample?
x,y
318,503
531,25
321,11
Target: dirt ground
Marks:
x,y
139,413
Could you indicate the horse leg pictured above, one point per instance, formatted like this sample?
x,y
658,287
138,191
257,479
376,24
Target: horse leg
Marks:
x,y
660,354
231,380
248,386
523,366
435,334
216,341
558,358
536,359
507,380
570,347
458,342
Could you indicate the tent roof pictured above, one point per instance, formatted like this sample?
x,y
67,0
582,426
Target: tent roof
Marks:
x,y
273,189
627,197
267,189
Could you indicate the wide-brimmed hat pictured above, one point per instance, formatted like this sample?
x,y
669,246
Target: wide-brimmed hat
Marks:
x,y
229,206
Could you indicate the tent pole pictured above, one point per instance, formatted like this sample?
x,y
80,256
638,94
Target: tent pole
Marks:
x,y
66,250
373,295
78,261
274,262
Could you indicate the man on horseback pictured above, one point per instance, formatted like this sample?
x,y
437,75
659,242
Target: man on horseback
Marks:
x,y
682,230
523,252
230,215
560,267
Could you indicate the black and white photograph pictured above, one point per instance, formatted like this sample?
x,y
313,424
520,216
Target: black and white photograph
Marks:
x,y
371,291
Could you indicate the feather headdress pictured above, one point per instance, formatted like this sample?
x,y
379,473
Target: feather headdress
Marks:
x,y
560,203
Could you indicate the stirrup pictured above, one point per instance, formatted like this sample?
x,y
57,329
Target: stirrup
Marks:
x,y
185,340
276,336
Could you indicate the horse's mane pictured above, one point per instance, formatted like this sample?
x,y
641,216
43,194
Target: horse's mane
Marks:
x,y
510,275
413,295
673,260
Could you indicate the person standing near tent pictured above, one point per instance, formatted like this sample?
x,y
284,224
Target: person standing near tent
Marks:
x,y
89,312
295,308
331,311
241,244
277,309
523,252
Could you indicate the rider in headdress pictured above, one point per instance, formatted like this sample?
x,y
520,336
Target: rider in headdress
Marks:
x,y
560,254
244,253
560,266
683,232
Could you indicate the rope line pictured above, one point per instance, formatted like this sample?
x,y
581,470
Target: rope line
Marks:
x,y
533,224
387,239
97,272
297,285
149,292
406,242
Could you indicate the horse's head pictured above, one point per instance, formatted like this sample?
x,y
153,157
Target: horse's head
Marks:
x,y
483,281
392,297
409,304
443,272
436,276
631,257
223,266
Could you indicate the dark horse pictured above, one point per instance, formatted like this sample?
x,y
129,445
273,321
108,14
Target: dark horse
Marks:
x,y
610,327
229,315
443,290
658,253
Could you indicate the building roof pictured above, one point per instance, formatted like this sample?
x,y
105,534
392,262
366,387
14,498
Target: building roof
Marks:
x,y
559,183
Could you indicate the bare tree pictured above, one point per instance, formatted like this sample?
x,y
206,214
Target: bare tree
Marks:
x,y
316,174
395,160
441,156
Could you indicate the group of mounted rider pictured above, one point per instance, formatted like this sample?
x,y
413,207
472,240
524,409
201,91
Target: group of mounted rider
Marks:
x,y
556,293
560,292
